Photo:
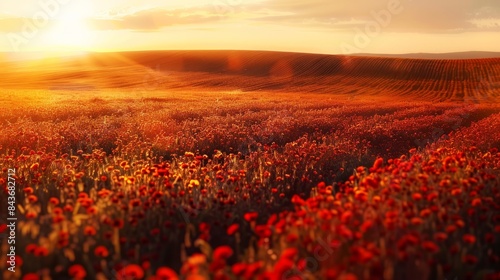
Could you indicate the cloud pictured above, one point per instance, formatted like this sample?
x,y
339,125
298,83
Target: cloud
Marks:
x,y
425,16
154,19
422,16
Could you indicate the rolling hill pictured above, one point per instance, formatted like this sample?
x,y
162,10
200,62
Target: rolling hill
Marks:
x,y
476,80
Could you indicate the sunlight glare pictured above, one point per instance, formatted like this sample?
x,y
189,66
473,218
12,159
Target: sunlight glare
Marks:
x,y
70,30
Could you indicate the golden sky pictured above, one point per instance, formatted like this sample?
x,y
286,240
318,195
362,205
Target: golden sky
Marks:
x,y
314,26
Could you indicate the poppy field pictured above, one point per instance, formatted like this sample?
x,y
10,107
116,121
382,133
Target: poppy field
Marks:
x,y
231,184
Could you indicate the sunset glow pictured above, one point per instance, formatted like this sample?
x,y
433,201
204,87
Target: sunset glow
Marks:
x,y
319,26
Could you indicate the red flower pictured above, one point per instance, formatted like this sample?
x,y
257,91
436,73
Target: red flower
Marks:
x,y
54,201
32,198
34,166
476,202
101,251
289,254
416,196
348,276
430,246
31,276
232,229
282,266
31,248
77,271
118,223
239,269
416,221
131,272
89,230
251,216
165,273
41,252
470,259
469,238
297,200
440,236
204,227
263,231
222,253
290,238
28,190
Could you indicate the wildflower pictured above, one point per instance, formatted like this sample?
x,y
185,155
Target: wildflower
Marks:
x,y
54,201
289,253
32,198
31,276
165,273
28,190
469,238
118,223
416,196
239,269
430,246
476,202
31,248
440,236
89,231
250,216
101,251
470,259
131,272
77,271
222,253
232,229
41,252
263,231
31,214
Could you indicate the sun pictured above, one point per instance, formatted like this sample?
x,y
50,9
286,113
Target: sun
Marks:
x,y
70,30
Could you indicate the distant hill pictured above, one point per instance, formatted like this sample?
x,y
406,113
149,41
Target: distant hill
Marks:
x,y
415,78
454,55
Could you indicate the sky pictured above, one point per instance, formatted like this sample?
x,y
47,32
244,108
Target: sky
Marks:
x,y
312,26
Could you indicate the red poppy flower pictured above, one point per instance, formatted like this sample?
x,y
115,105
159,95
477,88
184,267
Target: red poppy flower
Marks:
x,y
289,253
165,273
282,266
31,276
232,229
470,259
469,238
31,214
54,201
476,202
348,276
31,248
77,271
101,251
430,246
89,230
41,252
118,223
32,198
440,236
34,166
250,216
263,231
222,253
131,272
416,196
28,190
